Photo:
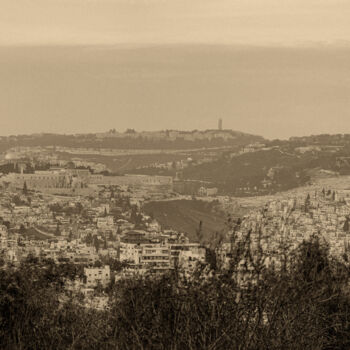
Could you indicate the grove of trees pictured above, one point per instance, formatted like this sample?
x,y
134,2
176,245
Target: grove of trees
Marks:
x,y
304,304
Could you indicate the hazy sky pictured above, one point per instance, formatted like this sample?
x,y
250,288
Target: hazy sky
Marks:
x,y
168,21
274,92
62,68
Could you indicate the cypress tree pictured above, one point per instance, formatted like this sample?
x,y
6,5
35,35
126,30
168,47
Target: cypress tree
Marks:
x,y
25,188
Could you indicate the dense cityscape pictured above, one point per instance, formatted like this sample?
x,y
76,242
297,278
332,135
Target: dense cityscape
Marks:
x,y
174,175
76,212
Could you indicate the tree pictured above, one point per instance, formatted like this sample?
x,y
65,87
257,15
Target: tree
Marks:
x,y
96,243
25,189
199,232
346,227
307,203
22,229
79,207
135,216
303,307
58,230
89,239
98,264
7,224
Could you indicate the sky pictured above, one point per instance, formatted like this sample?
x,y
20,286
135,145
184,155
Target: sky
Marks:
x,y
104,22
277,68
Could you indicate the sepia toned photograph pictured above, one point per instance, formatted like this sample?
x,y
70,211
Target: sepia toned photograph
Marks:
x,y
174,174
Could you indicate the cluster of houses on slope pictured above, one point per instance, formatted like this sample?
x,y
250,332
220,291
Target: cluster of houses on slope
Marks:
x,y
285,223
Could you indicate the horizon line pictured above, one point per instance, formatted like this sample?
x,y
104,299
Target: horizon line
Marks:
x,y
164,130
345,44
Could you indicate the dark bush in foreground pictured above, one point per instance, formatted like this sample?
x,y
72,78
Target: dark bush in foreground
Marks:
x,y
304,306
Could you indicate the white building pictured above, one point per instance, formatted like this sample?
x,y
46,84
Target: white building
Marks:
x,y
130,252
105,222
156,256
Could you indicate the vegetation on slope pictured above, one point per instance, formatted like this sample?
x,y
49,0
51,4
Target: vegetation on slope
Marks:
x,y
185,216
304,305
246,173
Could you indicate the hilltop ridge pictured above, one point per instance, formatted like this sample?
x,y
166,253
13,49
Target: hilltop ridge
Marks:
x,y
131,139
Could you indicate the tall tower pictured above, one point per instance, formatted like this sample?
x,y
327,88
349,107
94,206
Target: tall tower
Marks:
x,y
220,124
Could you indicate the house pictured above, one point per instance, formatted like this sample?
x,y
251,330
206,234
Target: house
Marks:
x,y
129,252
105,222
96,275
207,192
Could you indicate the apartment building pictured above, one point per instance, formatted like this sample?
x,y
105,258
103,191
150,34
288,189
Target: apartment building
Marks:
x,y
95,276
156,256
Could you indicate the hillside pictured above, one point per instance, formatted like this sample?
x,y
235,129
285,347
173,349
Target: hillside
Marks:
x,y
34,234
261,171
134,140
281,165
185,215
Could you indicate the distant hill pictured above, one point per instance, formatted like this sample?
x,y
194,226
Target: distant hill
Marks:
x,y
280,165
261,171
185,215
134,140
